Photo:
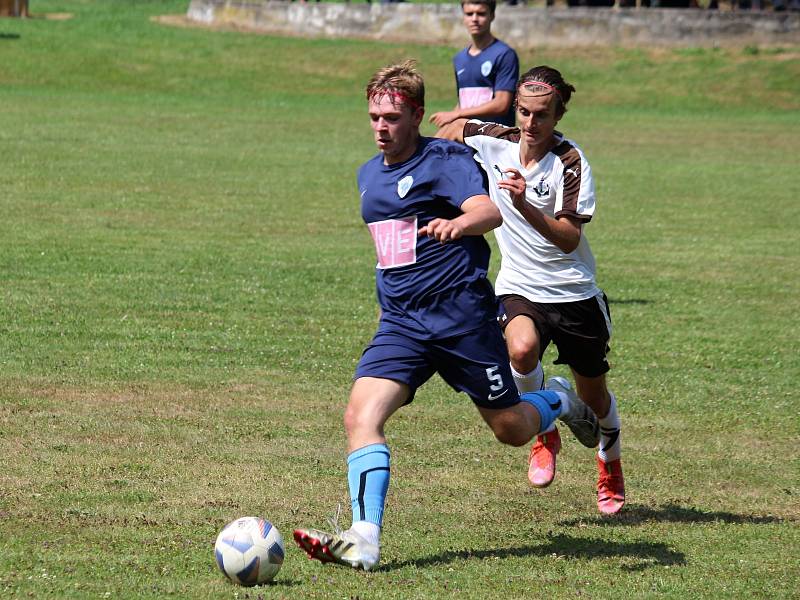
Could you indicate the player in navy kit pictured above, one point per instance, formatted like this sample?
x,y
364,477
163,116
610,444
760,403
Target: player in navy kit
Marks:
x,y
486,74
426,207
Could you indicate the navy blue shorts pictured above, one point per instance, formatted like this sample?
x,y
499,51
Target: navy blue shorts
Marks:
x,y
475,363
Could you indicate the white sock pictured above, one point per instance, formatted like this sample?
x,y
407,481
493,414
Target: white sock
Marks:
x,y
610,448
368,530
529,382
566,405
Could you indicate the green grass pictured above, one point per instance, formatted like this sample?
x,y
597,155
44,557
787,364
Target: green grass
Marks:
x,y
185,287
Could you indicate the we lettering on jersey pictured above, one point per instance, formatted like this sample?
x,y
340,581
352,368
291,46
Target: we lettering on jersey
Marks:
x,y
395,241
474,96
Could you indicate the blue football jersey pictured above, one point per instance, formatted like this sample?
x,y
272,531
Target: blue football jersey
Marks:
x,y
426,288
495,69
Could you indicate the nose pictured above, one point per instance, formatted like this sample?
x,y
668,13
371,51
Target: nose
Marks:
x,y
527,123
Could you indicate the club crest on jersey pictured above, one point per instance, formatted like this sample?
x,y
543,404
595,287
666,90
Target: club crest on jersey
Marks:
x,y
542,188
486,68
404,185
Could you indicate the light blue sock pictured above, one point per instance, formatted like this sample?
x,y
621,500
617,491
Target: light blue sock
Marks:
x,y
368,477
547,403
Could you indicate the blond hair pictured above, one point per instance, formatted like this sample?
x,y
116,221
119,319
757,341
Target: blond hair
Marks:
x,y
401,82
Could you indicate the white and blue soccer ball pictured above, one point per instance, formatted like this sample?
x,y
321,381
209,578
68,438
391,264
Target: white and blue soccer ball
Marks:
x,y
249,551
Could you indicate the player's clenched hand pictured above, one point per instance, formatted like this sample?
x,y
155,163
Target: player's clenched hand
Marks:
x,y
443,230
514,184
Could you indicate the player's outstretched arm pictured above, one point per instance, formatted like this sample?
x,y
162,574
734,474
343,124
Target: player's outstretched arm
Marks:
x,y
488,111
453,131
442,118
480,215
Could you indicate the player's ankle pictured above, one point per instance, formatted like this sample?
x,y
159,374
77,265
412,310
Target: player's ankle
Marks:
x,y
367,530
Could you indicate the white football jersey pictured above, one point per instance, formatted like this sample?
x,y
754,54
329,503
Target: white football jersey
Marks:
x,y
560,184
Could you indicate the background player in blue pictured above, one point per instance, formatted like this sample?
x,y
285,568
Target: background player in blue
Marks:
x,y
486,74
426,206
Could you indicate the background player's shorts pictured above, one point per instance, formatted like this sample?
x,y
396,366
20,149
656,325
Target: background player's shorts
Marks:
x,y
475,363
581,330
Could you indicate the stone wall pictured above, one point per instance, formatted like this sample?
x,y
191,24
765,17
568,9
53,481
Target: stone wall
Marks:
x,y
520,26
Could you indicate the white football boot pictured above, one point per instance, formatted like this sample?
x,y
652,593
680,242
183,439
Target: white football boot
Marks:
x,y
580,419
346,548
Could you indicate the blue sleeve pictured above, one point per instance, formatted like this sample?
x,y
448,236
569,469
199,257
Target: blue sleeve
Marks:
x,y
507,72
460,178
455,70
358,177
362,176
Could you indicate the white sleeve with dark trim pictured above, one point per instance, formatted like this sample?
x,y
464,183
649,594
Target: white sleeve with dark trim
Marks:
x,y
575,196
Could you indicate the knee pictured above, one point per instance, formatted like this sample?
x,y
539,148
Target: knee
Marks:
x,y
353,419
360,422
523,354
514,426
511,435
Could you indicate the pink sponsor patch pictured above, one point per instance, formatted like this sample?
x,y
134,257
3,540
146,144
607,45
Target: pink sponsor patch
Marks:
x,y
395,242
473,96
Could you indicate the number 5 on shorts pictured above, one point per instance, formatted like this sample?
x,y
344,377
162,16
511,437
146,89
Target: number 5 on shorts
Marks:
x,y
495,378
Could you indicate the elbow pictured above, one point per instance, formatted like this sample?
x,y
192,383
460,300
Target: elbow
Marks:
x,y
570,245
493,218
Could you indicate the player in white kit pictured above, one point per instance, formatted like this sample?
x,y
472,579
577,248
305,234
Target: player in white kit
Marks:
x,y
543,186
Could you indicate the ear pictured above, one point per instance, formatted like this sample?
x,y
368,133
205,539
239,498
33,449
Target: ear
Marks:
x,y
419,112
560,109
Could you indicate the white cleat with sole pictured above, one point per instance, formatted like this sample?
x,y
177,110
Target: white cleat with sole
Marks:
x,y
345,548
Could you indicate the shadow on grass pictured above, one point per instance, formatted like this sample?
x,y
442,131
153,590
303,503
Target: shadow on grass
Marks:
x,y
9,36
643,554
670,513
273,585
629,301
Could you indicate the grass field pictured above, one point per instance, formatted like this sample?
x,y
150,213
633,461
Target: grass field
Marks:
x,y
185,287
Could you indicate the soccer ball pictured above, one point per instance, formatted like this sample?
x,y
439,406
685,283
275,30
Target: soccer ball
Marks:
x,y
249,551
